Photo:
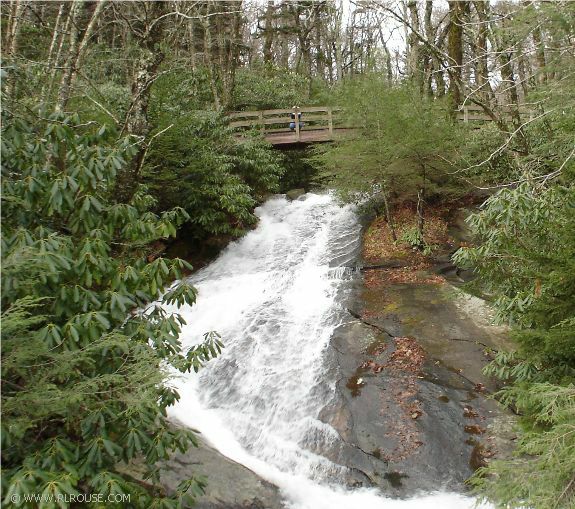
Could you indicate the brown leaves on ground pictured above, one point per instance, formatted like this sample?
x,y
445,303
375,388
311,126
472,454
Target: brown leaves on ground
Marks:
x,y
373,366
402,427
404,366
379,246
378,243
378,278
408,355
401,407
469,412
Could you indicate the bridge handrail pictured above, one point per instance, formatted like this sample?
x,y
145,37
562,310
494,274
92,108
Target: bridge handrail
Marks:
x,y
308,109
323,118
320,118
467,112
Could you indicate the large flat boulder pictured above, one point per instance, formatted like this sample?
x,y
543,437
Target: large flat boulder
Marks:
x,y
230,485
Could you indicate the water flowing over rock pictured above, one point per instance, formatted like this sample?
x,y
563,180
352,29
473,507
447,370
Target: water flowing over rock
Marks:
x,y
294,194
272,401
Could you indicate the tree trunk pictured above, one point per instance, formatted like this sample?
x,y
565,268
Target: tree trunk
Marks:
x,y
438,64
12,45
136,122
523,75
337,47
504,58
52,61
538,41
319,53
77,50
413,48
57,59
66,79
208,60
455,52
420,207
482,65
284,39
388,216
427,57
13,28
268,34
232,60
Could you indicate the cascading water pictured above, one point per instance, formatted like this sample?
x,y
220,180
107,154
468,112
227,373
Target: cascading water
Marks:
x,y
275,297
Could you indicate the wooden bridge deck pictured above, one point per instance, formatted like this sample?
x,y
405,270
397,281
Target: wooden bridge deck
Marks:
x,y
320,123
305,136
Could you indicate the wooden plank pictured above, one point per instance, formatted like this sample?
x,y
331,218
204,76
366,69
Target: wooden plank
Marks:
x,y
278,120
279,130
315,118
308,123
472,116
323,118
240,114
277,112
471,107
306,129
244,123
307,109
297,122
313,109
282,120
312,136
266,121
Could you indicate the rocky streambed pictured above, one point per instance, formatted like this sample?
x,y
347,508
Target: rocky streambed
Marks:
x,y
399,381
414,398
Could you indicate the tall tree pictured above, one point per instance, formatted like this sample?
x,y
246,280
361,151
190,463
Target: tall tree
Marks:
x,y
77,47
457,11
147,29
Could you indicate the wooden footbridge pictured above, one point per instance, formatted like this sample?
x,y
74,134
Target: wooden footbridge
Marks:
x,y
316,124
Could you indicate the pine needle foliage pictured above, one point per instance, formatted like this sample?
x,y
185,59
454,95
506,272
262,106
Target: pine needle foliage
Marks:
x,y
86,352
402,142
526,257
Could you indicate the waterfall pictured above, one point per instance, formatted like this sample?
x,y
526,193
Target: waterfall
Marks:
x,y
276,296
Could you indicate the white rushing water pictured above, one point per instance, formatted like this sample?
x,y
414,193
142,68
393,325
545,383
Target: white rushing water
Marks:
x,y
275,297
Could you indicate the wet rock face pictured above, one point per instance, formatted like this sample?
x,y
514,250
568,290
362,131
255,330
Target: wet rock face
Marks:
x,y
412,394
230,485
294,194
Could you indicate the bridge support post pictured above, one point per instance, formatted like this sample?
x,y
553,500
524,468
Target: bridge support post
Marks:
x,y
330,122
297,120
465,114
261,119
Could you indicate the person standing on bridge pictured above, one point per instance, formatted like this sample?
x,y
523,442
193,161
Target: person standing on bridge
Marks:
x,y
292,116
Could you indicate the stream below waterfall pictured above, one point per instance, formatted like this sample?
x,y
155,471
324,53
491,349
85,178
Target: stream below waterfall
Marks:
x,y
276,296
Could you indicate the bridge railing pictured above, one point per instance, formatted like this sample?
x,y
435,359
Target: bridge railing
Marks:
x,y
473,112
278,121
324,119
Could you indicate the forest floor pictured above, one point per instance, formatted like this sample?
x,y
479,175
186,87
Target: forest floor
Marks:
x,y
379,246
